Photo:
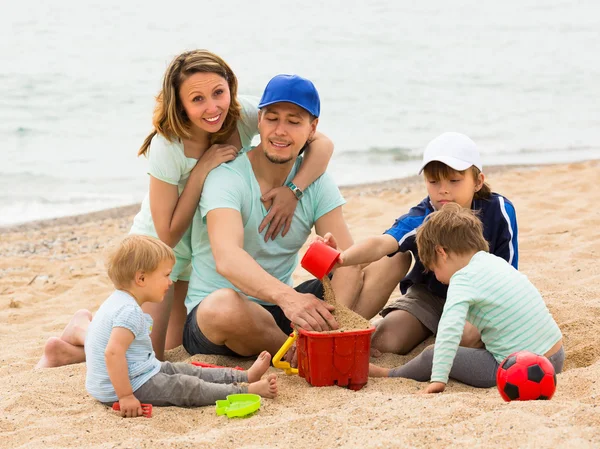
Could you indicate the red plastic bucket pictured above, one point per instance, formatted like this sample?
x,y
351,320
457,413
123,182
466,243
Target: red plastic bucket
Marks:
x,y
336,358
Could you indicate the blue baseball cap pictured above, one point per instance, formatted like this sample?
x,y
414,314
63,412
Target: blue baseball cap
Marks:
x,y
292,89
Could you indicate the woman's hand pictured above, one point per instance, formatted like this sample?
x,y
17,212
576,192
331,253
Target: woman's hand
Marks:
x,y
216,155
280,213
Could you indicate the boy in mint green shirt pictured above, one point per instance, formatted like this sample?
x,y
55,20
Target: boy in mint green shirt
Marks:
x,y
485,290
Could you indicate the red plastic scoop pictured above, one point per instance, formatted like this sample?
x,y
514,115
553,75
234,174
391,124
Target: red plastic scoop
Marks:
x,y
210,365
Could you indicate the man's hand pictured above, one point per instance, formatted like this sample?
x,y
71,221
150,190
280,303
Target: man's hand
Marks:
x,y
433,387
308,312
280,213
130,407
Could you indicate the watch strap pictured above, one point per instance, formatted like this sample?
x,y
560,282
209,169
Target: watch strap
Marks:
x,y
295,189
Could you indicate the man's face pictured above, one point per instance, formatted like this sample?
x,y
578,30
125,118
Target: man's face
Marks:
x,y
284,130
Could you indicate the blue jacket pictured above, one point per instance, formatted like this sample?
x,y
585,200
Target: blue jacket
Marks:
x,y
499,228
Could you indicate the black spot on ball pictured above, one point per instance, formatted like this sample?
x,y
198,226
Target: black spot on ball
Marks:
x,y
509,362
543,398
512,391
535,373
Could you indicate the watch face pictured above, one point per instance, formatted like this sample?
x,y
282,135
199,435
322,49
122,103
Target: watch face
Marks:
x,y
295,190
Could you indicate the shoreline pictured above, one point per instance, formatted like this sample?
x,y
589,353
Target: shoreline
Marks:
x,y
396,184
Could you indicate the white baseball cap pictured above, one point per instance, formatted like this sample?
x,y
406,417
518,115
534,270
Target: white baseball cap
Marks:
x,y
455,150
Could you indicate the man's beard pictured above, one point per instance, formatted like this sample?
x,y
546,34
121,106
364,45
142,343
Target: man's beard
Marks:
x,y
276,160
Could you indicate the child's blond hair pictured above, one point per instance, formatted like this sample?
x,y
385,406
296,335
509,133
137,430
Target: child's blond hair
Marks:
x,y
136,253
456,229
437,170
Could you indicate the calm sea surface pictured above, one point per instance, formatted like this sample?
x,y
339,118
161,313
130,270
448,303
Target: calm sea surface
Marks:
x,y
78,80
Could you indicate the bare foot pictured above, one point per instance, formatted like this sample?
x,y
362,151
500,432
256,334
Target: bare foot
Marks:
x,y
267,388
58,352
378,371
74,333
259,367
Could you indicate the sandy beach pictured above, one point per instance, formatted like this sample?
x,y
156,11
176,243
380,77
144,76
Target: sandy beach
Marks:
x,y
49,270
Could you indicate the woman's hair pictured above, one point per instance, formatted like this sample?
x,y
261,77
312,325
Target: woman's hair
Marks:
x,y
169,119
438,170
136,253
456,229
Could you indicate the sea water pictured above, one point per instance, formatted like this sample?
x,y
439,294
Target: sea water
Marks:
x,y
78,80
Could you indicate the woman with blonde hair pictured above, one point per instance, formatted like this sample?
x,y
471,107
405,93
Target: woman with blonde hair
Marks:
x,y
199,122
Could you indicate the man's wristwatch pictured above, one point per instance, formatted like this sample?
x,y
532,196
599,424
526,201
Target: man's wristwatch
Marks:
x,y
295,190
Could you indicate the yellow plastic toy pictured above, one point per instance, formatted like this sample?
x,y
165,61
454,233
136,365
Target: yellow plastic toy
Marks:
x,y
285,366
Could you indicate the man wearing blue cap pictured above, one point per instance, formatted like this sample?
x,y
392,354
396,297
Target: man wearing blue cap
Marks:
x,y
240,299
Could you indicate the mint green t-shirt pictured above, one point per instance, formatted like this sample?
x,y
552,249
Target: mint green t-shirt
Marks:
x,y
168,162
234,186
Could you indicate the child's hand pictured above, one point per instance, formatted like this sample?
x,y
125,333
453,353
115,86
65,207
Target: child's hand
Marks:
x,y
292,356
130,407
329,240
433,387
280,213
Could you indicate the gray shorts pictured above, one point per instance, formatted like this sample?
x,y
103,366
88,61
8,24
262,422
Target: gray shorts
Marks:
x,y
422,304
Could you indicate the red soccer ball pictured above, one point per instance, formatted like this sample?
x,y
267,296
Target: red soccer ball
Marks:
x,y
525,376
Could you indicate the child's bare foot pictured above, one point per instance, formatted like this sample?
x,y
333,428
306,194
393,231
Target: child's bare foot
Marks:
x,y
74,333
58,352
259,367
267,388
378,371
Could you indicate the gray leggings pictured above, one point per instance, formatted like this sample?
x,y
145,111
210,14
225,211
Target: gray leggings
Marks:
x,y
475,367
183,384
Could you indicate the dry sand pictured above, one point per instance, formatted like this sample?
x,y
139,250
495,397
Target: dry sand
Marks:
x,y
49,270
347,319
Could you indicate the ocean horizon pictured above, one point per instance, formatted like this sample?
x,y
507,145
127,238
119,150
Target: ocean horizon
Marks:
x,y
78,84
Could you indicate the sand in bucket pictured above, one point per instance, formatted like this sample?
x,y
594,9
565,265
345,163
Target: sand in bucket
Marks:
x,y
346,318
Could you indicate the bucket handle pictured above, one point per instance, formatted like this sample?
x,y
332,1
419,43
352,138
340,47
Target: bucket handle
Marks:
x,y
277,363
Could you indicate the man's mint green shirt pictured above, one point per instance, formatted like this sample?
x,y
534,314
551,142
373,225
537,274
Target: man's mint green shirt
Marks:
x,y
234,186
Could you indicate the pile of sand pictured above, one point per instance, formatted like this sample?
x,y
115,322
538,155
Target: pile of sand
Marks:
x,y
346,318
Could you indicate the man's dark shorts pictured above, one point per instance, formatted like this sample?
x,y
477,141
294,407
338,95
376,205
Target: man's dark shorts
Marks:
x,y
195,342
